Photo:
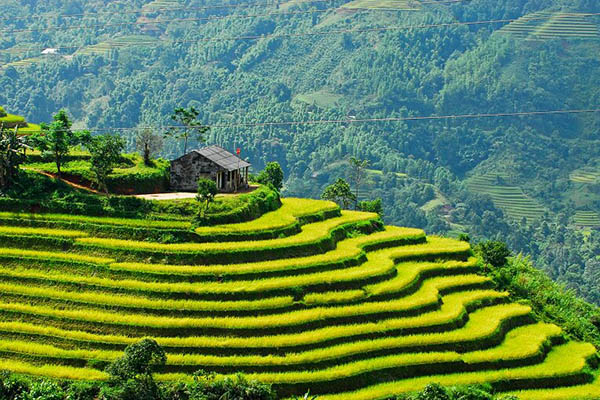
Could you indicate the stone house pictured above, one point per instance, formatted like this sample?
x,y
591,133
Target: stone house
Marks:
x,y
213,162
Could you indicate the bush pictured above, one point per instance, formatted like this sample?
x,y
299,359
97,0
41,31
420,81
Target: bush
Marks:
x,y
493,252
209,388
2,112
271,175
253,205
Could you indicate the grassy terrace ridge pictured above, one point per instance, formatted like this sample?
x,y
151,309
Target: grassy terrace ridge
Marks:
x,y
339,304
286,220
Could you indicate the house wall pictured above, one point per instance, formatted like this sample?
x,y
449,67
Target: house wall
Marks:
x,y
186,171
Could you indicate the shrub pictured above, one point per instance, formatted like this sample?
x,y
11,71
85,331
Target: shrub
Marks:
x,y
253,205
139,359
272,174
207,190
2,112
493,252
239,388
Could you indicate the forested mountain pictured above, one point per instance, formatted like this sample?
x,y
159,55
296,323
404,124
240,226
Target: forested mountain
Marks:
x,y
531,180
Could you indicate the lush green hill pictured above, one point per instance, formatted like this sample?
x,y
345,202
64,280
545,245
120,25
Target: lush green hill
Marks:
x,y
345,307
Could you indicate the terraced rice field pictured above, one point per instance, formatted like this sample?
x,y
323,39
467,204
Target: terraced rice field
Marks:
x,y
585,175
553,25
305,297
384,4
158,5
105,47
587,219
510,199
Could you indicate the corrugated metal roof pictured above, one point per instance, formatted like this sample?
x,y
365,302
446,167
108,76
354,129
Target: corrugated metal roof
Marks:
x,y
223,158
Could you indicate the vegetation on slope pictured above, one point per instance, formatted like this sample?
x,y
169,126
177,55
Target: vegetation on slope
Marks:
x,y
335,307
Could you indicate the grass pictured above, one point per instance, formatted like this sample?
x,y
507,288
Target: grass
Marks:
x,y
335,304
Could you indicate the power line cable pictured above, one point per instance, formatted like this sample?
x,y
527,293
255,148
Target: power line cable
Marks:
x,y
368,120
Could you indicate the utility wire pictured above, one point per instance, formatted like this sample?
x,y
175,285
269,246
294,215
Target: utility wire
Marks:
x,y
211,18
368,120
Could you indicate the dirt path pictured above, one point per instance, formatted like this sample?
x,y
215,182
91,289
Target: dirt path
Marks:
x,y
166,196
72,184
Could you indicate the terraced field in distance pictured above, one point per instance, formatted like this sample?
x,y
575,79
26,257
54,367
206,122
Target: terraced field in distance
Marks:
x,y
105,47
11,121
340,305
587,219
553,25
158,5
510,199
585,175
384,4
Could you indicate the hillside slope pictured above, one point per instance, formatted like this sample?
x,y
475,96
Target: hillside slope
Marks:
x,y
346,307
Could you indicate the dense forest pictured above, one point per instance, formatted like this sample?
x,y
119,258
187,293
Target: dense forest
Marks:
x,y
530,180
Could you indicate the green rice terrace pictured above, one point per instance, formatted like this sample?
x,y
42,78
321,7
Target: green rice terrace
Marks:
x,y
587,219
553,25
384,4
511,199
303,297
11,121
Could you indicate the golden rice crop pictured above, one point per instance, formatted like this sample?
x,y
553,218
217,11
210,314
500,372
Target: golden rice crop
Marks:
x,y
449,310
53,371
104,299
311,233
129,222
345,250
15,230
53,256
561,361
482,323
286,215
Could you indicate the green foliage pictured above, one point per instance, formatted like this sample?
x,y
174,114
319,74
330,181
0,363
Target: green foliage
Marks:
x,y
57,138
12,149
207,190
374,206
249,206
208,387
105,153
494,253
551,301
139,359
272,174
148,144
191,127
2,112
340,193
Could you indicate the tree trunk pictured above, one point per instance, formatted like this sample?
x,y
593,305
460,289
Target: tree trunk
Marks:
x,y
58,166
185,140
